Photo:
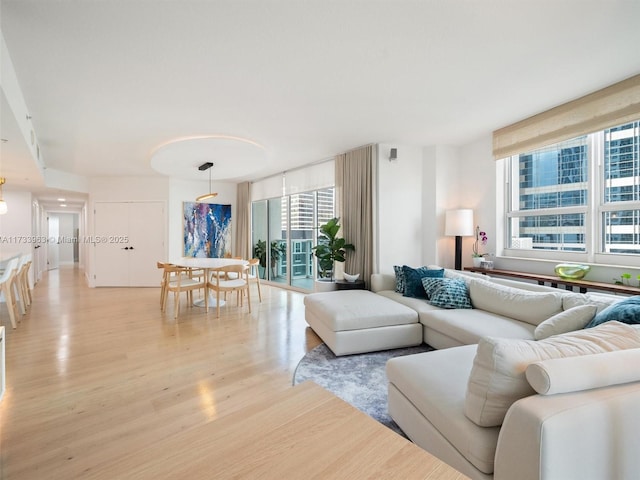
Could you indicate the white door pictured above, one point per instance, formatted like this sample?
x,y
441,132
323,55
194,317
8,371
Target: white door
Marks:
x,y
52,246
146,243
111,255
128,241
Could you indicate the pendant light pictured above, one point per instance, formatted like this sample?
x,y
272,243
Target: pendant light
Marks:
x,y
206,196
3,204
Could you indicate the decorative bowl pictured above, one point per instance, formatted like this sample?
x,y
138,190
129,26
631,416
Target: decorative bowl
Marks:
x,y
572,271
351,278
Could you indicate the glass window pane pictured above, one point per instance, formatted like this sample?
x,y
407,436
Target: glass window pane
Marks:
x,y
564,232
554,177
259,234
278,240
622,231
302,231
622,163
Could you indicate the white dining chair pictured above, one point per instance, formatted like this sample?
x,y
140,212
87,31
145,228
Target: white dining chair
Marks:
x,y
6,287
178,281
239,284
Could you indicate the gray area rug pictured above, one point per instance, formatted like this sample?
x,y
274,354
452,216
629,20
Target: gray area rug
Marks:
x,y
359,380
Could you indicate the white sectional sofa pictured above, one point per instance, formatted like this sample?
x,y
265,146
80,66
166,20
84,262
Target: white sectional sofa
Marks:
x,y
493,400
472,403
491,315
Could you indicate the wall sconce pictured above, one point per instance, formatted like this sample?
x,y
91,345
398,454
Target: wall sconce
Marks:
x,y
3,204
459,223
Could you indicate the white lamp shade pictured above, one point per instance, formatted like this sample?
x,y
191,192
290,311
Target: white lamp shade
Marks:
x,y
3,207
459,223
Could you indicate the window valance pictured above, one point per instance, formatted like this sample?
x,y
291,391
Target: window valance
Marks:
x,y
613,105
301,179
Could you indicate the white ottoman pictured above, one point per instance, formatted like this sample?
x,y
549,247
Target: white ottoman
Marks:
x,y
357,321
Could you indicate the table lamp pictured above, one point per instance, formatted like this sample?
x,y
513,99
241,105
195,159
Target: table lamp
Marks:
x,y
459,223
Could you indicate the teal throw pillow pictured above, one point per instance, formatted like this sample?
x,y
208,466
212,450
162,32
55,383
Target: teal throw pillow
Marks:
x,y
397,269
413,280
447,292
626,311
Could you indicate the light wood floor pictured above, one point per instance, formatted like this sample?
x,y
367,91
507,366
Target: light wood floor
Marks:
x,y
95,373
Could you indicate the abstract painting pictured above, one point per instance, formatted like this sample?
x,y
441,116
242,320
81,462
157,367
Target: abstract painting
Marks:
x,y
207,230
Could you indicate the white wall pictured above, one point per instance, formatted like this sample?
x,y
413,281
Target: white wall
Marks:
x,y
476,183
186,191
399,196
15,226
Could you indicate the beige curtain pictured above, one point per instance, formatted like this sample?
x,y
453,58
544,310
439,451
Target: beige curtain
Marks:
x,y
243,221
354,197
611,106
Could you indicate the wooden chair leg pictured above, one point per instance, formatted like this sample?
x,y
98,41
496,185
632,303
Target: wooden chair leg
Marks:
x,y
6,288
177,303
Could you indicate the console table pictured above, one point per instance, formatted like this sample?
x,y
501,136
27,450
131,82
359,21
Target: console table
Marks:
x,y
344,285
302,432
582,285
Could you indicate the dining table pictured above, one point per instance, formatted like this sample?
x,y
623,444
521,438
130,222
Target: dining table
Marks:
x,y
208,265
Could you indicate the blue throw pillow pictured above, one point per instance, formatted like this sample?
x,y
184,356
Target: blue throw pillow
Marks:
x,y
447,292
626,311
397,269
413,280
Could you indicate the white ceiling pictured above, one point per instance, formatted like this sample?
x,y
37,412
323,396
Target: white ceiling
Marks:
x,y
108,83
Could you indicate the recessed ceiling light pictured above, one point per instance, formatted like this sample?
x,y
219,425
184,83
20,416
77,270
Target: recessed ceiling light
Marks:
x,y
63,204
62,199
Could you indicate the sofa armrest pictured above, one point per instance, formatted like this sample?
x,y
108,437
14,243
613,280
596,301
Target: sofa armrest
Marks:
x,y
573,374
382,281
588,434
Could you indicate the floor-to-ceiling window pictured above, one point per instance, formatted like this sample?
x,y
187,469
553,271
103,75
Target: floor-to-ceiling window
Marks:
x,y
286,215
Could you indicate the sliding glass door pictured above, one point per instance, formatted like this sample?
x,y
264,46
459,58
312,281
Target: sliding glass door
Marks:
x,y
289,227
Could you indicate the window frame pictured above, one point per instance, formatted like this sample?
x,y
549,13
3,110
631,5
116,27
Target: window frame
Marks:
x,y
594,210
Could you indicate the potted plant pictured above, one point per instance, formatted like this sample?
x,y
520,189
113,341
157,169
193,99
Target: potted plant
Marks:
x,y
330,249
481,237
278,250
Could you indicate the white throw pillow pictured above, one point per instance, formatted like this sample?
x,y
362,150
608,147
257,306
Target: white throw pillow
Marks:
x,y
562,375
573,299
498,379
568,321
526,306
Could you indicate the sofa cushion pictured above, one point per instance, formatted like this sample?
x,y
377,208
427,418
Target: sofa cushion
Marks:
x,y
357,309
435,383
568,321
601,301
465,276
523,305
498,375
447,292
469,326
413,280
626,311
574,374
